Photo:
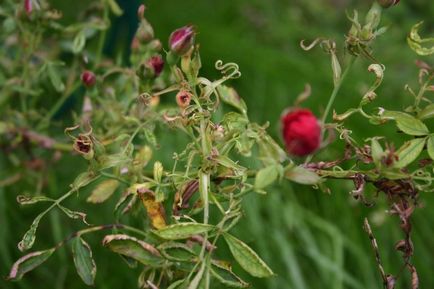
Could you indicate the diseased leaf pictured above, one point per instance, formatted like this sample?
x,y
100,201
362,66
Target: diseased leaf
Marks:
x,y
247,258
223,273
183,230
230,96
155,210
83,260
266,176
302,176
416,42
30,236
28,200
74,214
409,151
28,263
103,191
430,146
133,248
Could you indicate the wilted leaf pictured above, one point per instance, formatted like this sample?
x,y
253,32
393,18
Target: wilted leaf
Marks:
x,y
84,263
416,42
154,209
133,248
409,151
266,176
230,96
223,273
74,214
28,263
103,191
30,236
247,258
28,200
302,176
183,230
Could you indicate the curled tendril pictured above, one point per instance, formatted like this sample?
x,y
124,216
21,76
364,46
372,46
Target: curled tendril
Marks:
x,y
230,70
312,44
69,129
378,70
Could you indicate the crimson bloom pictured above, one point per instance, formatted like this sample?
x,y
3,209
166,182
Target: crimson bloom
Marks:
x,y
28,6
301,132
181,40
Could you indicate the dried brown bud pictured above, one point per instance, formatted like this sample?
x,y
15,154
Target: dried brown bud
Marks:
x,y
183,98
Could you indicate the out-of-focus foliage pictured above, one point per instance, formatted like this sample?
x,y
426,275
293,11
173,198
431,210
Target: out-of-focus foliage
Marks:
x,y
311,240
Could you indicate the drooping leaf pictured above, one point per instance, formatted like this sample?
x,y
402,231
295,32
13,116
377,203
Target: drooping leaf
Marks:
x,y
28,263
83,260
302,176
183,230
266,176
247,258
133,248
409,151
103,191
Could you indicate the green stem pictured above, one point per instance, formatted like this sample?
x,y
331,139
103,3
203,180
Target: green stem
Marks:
x,y
103,34
336,90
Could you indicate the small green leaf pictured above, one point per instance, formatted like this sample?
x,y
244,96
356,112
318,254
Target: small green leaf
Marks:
x,y
54,75
28,263
83,179
177,251
183,230
411,126
409,151
230,96
103,191
266,176
30,236
79,42
84,263
427,112
247,258
430,146
226,162
133,248
376,151
302,176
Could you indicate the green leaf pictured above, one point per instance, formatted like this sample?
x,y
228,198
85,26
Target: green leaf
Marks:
x,y
83,179
223,273
302,176
103,191
411,126
177,252
183,230
133,248
28,263
427,112
30,236
415,41
114,7
84,263
409,151
226,162
376,151
247,258
230,96
79,42
430,146
54,75
266,176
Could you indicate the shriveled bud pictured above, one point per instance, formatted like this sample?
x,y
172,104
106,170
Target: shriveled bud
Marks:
x,y
183,98
181,40
28,7
387,3
155,64
84,146
88,78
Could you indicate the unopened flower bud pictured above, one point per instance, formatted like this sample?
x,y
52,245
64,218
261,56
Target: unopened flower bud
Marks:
x,y
156,64
387,3
141,11
88,78
181,40
145,32
28,6
183,98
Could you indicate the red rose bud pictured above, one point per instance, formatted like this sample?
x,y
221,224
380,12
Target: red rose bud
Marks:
x,y
156,64
301,132
88,78
181,40
387,3
183,98
28,6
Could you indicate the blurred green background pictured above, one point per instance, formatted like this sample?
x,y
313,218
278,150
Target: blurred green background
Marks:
x,y
310,239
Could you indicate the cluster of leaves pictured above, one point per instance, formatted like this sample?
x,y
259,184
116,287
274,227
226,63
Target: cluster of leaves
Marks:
x,y
191,206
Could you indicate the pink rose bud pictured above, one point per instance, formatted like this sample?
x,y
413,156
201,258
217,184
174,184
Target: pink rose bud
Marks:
x,y
88,78
181,40
141,11
301,132
28,6
156,64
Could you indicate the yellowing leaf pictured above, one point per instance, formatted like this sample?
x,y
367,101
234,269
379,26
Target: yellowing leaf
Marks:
x,y
154,209
103,191
409,151
183,230
28,263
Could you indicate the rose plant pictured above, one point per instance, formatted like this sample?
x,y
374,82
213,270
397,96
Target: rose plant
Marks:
x,y
191,206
